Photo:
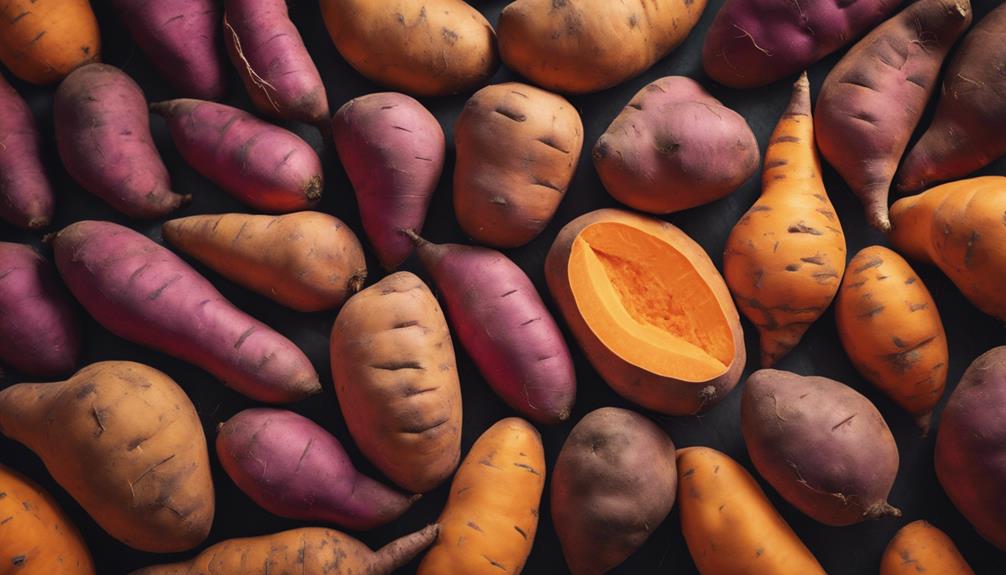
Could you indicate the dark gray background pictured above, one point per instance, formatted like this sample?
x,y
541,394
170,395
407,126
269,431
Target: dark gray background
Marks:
x,y
850,550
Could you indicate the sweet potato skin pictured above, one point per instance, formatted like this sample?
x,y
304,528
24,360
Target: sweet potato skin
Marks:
x,y
294,468
40,338
394,171
971,446
614,483
919,547
428,48
153,490
824,447
43,41
517,149
652,391
103,137
146,294
674,147
396,377
26,195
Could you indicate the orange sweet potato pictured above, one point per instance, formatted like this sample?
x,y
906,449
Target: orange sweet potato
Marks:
x,y
41,41
919,547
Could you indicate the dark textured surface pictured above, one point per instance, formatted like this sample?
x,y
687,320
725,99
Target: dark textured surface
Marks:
x,y
850,550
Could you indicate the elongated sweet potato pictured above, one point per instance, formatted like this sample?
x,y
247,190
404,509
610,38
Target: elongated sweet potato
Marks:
x,y
393,151
959,227
26,196
491,517
785,258
308,261
890,327
146,294
649,309
873,98
42,41
125,441
292,467
103,137
396,378
823,446
614,483
919,547
39,330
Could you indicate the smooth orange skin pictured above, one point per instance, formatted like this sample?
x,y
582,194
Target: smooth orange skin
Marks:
x,y
664,394
491,517
36,537
41,41
919,547
729,525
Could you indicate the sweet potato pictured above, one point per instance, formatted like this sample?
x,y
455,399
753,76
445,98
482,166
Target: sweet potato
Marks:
x,y
873,98
823,446
310,550
36,537
103,137
919,547
125,441
580,46
971,446
504,326
754,43
308,261
397,381
181,38
890,327
729,524
614,483
146,294
41,41
517,149
425,48
269,54
491,516
649,309
674,147
785,257
26,196
392,149
265,166
959,227
39,331
292,467
969,129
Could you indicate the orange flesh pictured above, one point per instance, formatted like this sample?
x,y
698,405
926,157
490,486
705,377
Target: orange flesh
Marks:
x,y
647,304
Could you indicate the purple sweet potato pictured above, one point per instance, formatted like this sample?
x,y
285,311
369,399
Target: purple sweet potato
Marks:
x,y
181,38
271,58
823,446
392,149
971,446
39,333
504,326
873,98
294,468
26,198
142,292
104,140
753,43
267,167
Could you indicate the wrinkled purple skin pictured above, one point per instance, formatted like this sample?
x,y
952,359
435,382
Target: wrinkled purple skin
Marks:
x,y
181,38
103,136
504,326
753,43
971,446
267,167
824,447
144,293
293,468
26,198
393,151
39,332
268,52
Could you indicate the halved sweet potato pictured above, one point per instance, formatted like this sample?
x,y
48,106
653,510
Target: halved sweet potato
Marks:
x,y
649,309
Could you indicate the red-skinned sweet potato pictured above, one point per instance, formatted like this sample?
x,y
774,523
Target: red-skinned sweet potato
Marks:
x,y
26,196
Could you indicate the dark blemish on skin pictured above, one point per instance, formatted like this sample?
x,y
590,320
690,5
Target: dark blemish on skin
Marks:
x,y
494,563
776,164
793,267
688,473
530,321
157,293
244,335
511,292
552,144
755,209
548,185
170,20
779,177
872,263
759,551
633,21
399,365
521,531
917,306
511,114
19,561
666,147
405,324
527,467
84,391
969,252
843,422
830,215
780,139
802,228
816,260
402,129
19,16
872,312
881,278
37,38
918,81
640,108
474,526
910,281
898,342
450,36
758,276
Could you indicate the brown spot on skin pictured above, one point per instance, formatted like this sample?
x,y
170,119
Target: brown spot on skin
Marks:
x,y
474,526
793,267
755,209
244,336
802,228
872,263
776,164
871,312
510,113
858,284
917,306
19,561
527,467
816,260
494,563
780,139
521,531
902,361
898,341
830,215
450,36
969,252
843,422
910,281
633,21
